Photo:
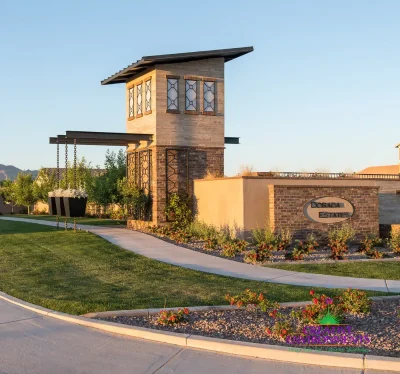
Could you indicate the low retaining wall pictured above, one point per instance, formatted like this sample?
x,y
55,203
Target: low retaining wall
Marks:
x,y
245,203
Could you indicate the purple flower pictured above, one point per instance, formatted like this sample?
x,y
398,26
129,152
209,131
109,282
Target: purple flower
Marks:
x,y
328,301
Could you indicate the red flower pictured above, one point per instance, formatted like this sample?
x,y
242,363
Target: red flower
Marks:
x,y
268,331
284,332
315,300
312,292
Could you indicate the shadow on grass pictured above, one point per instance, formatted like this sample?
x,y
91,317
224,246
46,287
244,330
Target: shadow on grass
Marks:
x,y
13,227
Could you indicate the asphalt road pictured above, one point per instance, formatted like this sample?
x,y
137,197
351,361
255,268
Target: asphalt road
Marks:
x,y
35,344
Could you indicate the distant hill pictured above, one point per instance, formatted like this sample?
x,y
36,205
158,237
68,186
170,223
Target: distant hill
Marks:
x,y
11,172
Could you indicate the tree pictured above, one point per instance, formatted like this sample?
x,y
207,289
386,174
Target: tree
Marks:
x,y
105,188
23,190
134,199
84,175
44,183
7,193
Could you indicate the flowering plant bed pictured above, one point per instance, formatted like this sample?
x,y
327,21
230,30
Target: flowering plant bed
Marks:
x,y
376,332
239,250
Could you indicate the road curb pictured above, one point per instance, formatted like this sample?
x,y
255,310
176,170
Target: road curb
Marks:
x,y
255,350
153,311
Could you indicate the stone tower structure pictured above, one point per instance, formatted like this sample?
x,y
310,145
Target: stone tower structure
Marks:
x,y
178,101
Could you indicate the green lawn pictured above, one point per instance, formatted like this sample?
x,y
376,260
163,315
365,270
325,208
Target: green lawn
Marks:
x,y
377,270
80,272
81,221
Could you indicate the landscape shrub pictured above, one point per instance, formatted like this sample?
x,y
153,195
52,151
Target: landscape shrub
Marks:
x,y
375,253
369,243
252,301
170,317
312,313
230,249
267,236
339,239
202,231
354,301
302,248
180,236
261,254
283,240
282,327
263,236
295,255
179,210
211,243
394,241
119,214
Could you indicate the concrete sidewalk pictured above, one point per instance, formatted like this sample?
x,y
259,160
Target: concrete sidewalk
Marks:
x,y
149,246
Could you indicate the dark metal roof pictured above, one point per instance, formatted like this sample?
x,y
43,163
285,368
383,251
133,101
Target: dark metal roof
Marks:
x,y
119,139
148,61
100,138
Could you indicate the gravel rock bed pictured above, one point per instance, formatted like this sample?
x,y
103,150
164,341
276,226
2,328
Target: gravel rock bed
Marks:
x,y
382,326
321,255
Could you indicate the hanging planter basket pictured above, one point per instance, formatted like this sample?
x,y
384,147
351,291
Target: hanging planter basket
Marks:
x,y
60,208
52,205
75,206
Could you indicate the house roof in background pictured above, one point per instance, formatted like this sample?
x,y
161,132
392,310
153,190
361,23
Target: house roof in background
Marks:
x,y
149,61
385,169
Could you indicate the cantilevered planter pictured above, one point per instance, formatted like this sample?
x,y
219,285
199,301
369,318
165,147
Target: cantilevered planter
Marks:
x,y
52,205
60,209
75,206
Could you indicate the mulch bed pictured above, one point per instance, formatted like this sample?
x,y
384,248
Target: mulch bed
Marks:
x,y
320,255
382,326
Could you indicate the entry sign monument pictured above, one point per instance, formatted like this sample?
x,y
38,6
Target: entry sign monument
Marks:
x,y
328,209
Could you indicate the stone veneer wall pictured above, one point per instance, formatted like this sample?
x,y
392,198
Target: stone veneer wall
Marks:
x,y
201,160
286,204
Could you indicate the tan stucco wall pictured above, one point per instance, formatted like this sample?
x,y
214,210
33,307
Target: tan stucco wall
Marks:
x,y
220,202
255,197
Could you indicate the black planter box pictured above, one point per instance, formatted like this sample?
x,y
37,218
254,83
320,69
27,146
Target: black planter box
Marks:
x,y
60,209
74,206
52,206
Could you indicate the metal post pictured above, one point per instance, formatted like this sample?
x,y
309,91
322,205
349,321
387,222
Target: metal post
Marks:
x,y
66,224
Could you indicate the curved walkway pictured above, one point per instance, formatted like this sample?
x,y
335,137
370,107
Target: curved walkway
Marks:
x,y
149,246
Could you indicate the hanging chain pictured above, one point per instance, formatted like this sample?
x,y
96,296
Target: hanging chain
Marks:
x,y
66,165
74,163
58,177
58,165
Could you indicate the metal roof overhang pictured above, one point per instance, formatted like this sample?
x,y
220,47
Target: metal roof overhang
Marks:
x,y
120,139
100,138
149,61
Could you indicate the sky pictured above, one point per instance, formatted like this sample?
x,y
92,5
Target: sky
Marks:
x,y
321,91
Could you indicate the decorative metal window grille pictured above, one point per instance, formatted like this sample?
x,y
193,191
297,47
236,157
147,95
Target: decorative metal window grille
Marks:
x,y
209,96
139,166
172,94
139,99
148,96
191,95
131,112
